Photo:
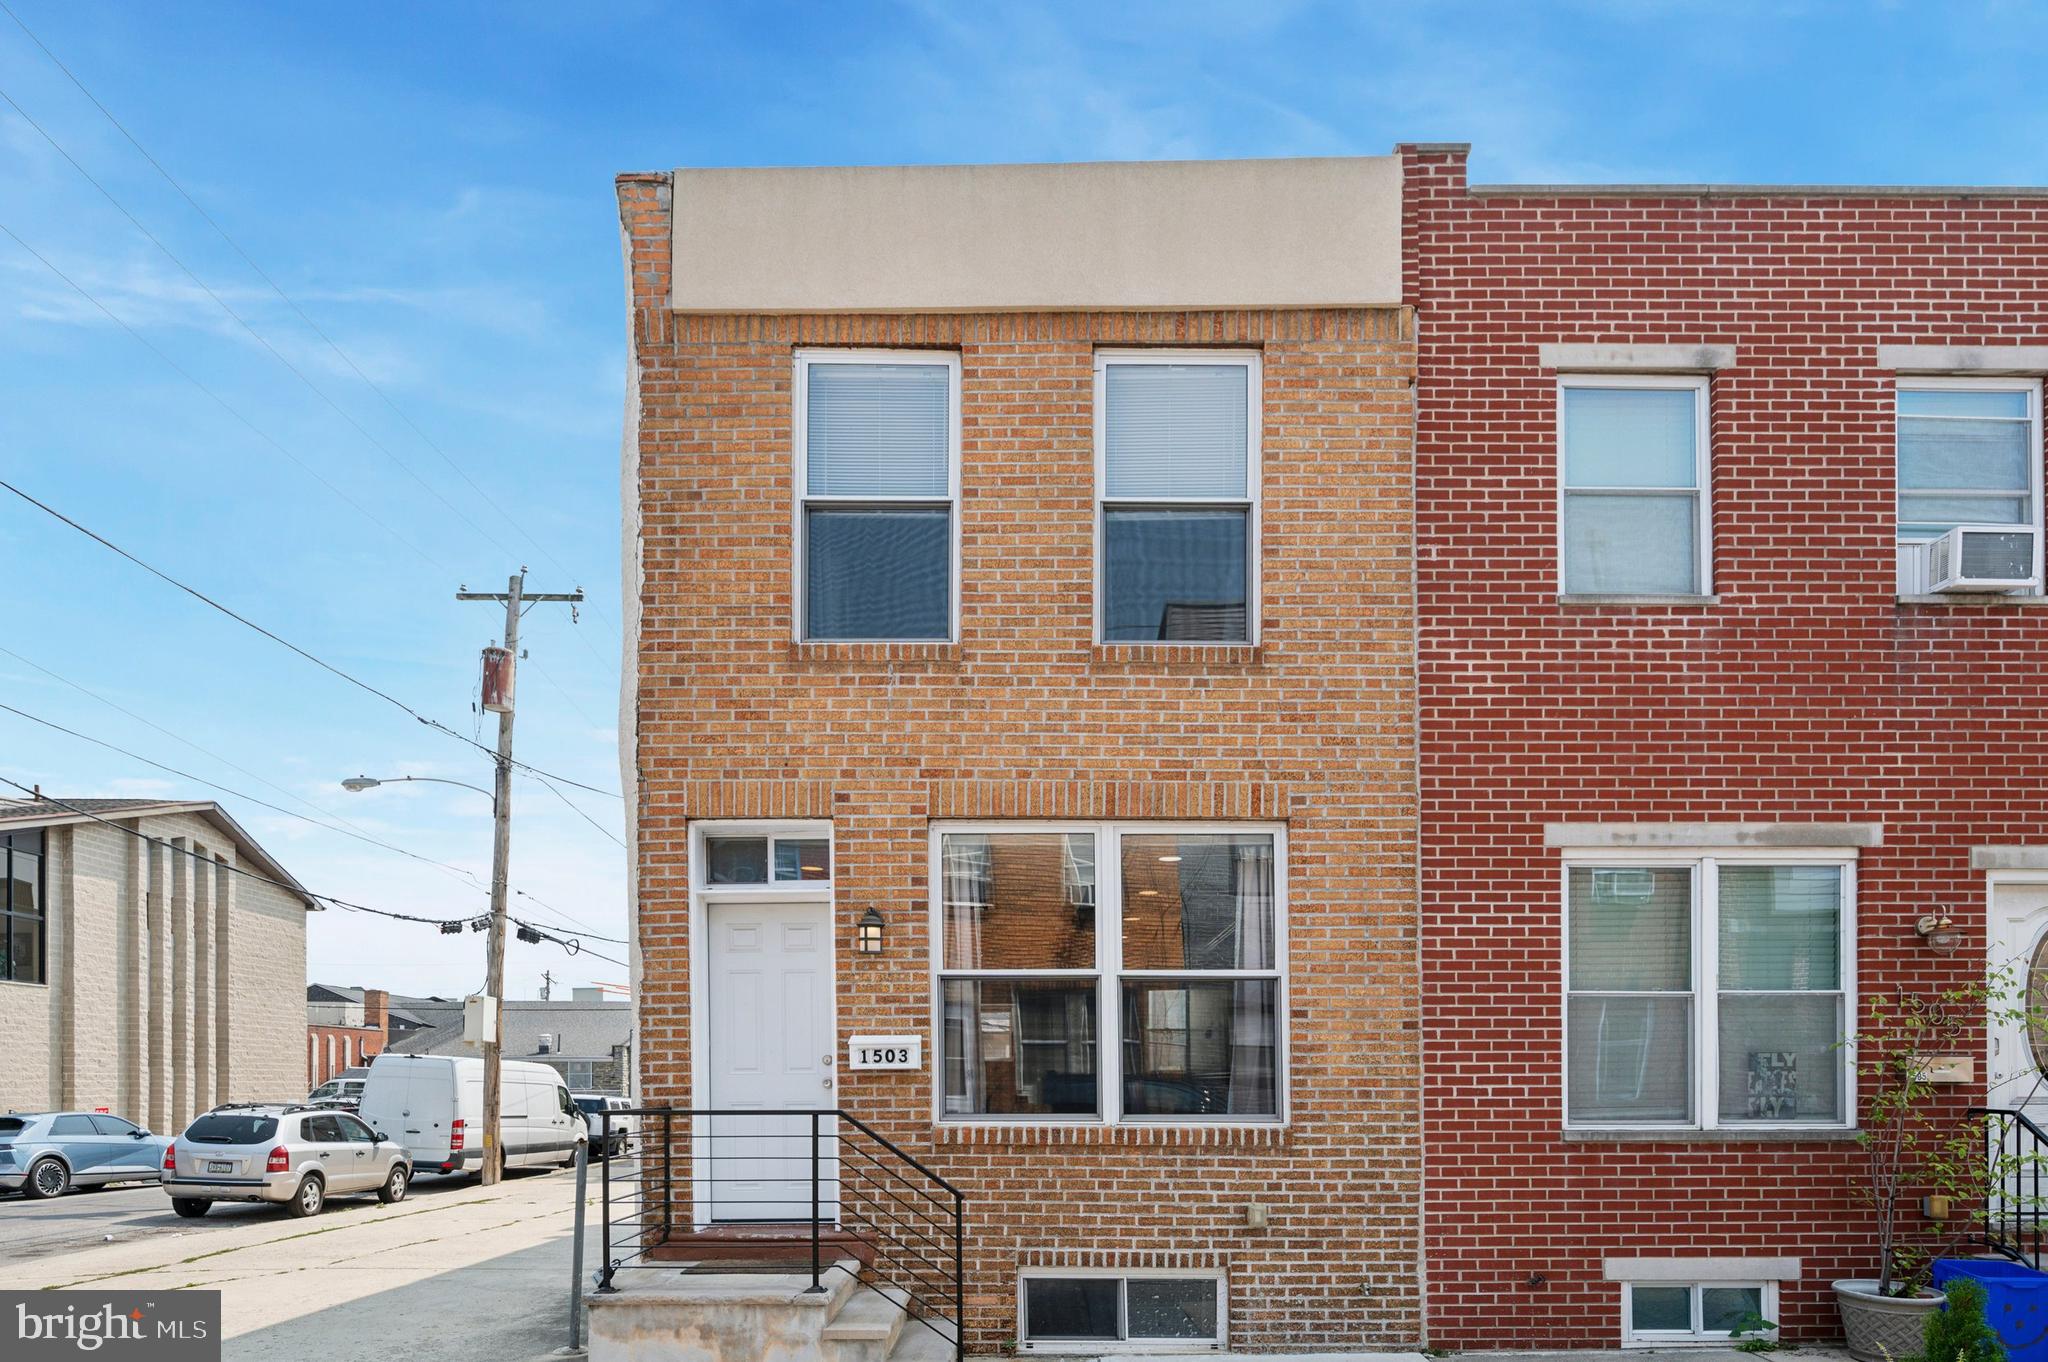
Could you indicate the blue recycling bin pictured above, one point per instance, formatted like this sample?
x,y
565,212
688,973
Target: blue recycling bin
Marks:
x,y
2015,1301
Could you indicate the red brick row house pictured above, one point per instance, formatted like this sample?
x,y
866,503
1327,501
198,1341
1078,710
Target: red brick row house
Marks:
x,y
1352,743
1706,744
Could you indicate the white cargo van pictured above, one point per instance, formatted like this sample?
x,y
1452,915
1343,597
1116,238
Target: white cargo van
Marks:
x,y
434,1106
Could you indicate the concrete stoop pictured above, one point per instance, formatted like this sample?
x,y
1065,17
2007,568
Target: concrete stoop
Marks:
x,y
662,1315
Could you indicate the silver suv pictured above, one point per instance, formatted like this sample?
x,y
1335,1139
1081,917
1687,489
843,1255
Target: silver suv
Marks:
x,y
296,1156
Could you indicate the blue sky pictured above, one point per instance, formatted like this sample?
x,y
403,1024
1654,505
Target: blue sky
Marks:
x,y
432,186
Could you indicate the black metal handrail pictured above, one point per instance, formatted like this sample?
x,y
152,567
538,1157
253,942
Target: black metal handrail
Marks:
x,y
2015,1215
773,1179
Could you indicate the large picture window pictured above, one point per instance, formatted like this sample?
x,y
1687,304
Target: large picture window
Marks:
x,y
24,910
1634,514
1110,972
1178,446
877,444
1707,993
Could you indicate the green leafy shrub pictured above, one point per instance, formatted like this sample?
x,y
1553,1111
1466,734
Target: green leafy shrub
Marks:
x,y
1960,1333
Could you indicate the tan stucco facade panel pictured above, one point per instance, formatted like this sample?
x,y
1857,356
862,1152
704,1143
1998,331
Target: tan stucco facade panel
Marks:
x,y
1106,235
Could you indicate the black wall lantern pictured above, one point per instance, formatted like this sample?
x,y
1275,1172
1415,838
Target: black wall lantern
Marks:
x,y
868,935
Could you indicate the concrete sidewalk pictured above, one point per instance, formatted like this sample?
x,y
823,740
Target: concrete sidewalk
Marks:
x,y
481,1273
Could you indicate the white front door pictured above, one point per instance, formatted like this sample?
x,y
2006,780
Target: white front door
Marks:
x,y
770,980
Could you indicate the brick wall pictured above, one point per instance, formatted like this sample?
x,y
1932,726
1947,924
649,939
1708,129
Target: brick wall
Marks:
x,y
330,1049
1026,718
1808,693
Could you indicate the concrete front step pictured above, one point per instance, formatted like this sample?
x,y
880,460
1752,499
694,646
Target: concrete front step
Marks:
x,y
865,1328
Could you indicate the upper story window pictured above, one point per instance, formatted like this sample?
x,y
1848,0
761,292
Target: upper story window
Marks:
x,y
24,916
1708,992
1107,972
878,479
1177,483
1970,456
1634,515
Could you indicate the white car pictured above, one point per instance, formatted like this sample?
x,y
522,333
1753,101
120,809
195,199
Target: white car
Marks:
x,y
593,1106
434,1106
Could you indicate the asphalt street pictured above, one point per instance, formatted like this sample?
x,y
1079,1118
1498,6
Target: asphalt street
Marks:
x,y
127,1211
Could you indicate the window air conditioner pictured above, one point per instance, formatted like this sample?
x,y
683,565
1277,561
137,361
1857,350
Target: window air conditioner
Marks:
x,y
1982,558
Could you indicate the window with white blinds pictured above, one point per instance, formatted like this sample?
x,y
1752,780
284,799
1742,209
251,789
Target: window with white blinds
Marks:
x,y
1633,517
877,456
1178,448
1969,454
1710,992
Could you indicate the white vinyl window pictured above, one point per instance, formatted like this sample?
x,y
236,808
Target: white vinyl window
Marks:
x,y
878,482
1105,972
1708,992
1177,493
1079,1310
1969,453
1664,1313
1634,515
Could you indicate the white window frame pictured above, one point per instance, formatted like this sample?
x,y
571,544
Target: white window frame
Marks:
x,y
1094,1347
805,359
1252,362
1632,1337
1705,993
698,938
1703,471
1108,971
2032,388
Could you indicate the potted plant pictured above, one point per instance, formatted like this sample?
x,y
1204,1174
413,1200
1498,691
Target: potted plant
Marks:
x,y
1912,1144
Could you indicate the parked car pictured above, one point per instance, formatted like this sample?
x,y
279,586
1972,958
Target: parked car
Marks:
x,y
593,1105
46,1154
293,1156
434,1104
344,1090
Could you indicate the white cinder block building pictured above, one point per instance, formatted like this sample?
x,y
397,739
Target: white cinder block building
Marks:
x,y
143,973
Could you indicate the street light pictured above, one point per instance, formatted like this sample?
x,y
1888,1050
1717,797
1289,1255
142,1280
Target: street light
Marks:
x,y
357,784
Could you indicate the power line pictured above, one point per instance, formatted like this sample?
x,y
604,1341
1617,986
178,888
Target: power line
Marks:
x,y
577,809
264,275
230,790
324,665
244,323
570,944
574,921
222,402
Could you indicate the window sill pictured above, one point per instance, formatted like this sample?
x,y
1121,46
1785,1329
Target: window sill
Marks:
x,y
923,650
1264,1135
23,983
1981,600
1179,654
1587,599
1760,1135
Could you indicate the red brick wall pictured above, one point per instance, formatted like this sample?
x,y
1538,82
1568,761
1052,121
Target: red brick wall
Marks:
x,y
352,1045
1808,693
1026,718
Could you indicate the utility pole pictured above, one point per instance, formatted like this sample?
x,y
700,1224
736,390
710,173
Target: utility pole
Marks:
x,y
547,985
514,595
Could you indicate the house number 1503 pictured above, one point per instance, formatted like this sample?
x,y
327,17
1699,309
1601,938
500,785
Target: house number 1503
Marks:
x,y
885,1052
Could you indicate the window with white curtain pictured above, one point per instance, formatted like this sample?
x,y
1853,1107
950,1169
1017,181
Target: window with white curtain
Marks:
x,y
1177,490
877,458
1634,513
1153,992
1709,992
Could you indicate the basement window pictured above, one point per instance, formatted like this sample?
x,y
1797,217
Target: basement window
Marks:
x,y
1655,1314
1075,1310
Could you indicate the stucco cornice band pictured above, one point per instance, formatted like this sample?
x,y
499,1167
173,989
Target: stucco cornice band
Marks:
x,y
1712,835
1714,1269
1989,360
1117,236
1656,359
